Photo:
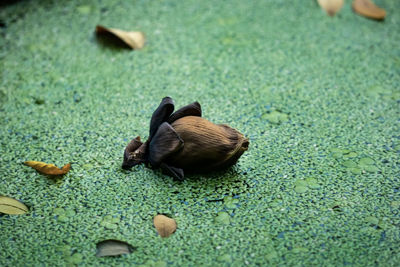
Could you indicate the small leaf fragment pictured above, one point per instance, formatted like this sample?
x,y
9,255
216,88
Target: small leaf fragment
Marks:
x,y
300,189
395,204
331,6
368,9
62,218
76,258
59,211
84,10
337,155
111,247
134,40
312,183
271,255
276,117
349,164
230,203
225,258
350,155
165,226
299,249
110,222
12,206
345,151
49,169
370,168
301,182
372,220
366,161
367,164
355,170
223,218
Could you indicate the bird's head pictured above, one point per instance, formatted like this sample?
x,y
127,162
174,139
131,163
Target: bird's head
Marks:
x,y
134,153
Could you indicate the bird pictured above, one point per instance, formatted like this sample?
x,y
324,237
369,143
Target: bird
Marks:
x,y
183,141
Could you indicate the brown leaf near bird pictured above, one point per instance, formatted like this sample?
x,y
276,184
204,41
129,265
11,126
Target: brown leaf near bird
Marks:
x,y
165,226
368,9
49,169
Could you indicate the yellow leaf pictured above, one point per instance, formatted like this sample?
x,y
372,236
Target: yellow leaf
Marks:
x,y
165,226
49,169
135,40
368,9
331,6
12,206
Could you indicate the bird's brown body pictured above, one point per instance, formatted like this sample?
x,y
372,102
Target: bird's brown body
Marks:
x,y
206,146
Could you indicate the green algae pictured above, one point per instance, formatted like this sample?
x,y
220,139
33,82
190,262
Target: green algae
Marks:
x,y
314,104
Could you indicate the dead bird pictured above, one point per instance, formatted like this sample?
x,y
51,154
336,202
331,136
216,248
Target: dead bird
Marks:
x,y
183,141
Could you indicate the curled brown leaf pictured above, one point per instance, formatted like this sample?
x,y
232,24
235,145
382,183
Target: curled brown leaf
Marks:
x,y
134,40
49,169
165,226
331,6
368,9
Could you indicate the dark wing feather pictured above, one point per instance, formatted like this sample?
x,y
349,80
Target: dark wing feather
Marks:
x,y
193,109
164,143
161,114
174,172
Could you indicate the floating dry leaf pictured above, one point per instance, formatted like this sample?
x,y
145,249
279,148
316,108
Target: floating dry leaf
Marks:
x,y
12,206
113,247
135,40
368,9
331,6
49,169
165,226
